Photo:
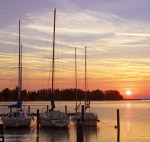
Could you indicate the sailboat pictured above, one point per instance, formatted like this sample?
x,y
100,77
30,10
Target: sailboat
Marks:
x,y
77,106
76,82
54,118
17,118
90,118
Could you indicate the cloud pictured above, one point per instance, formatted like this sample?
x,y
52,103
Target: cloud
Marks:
x,y
134,34
117,48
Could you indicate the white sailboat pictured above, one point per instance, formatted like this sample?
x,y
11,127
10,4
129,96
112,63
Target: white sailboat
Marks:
x,y
77,106
54,118
90,118
17,118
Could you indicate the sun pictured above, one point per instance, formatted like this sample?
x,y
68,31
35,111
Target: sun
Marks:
x,y
128,92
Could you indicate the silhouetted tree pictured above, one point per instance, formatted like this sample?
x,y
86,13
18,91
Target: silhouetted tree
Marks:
x,y
113,95
60,95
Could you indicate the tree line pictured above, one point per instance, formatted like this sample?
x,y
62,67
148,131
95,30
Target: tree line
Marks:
x,y
60,95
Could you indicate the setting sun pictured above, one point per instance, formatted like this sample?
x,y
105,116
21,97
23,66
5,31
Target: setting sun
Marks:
x,y
128,92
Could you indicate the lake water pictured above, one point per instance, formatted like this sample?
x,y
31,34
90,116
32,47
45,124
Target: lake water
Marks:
x,y
134,123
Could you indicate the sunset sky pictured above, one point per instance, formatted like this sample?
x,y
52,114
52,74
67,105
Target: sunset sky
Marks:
x,y
116,33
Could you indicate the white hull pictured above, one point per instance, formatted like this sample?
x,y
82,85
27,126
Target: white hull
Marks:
x,y
16,122
17,119
54,123
54,119
90,122
90,119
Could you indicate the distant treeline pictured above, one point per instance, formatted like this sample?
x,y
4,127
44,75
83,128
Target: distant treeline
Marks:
x,y
60,95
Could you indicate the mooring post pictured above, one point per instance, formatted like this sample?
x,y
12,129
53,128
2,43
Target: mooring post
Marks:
x,y
28,109
80,136
82,110
10,110
65,108
47,108
1,132
118,126
37,122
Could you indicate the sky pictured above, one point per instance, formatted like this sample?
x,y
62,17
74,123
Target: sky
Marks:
x,y
115,32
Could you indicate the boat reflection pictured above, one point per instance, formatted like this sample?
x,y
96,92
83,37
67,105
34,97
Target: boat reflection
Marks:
x,y
19,134
54,134
91,134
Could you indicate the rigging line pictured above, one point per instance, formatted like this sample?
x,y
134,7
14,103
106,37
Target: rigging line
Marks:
x,y
26,68
14,56
58,70
62,66
60,45
50,69
44,58
90,74
56,81
106,124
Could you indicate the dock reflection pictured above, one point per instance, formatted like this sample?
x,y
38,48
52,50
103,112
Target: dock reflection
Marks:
x,y
54,134
19,134
91,134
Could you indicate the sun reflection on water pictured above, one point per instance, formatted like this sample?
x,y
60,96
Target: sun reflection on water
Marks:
x,y
128,118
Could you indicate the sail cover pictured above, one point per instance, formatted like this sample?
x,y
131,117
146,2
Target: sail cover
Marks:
x,y
52,101
18,105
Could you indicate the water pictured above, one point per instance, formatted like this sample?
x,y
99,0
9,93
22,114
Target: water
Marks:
x,y
134,123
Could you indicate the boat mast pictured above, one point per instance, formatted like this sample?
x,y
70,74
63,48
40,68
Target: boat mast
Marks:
x,y
87,103
76,78
85,78
53,62
19,69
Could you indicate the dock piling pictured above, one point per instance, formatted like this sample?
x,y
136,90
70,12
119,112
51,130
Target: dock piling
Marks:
x,y
65,108
1,132
47,108
80,133
82,111
10,110
28,109
118,126
38,121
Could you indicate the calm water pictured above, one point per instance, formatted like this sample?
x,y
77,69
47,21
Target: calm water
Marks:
x,y
134,121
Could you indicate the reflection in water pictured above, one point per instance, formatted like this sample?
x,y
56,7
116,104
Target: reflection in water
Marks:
x,y
128,118
90,133
18,134
54,135
134,121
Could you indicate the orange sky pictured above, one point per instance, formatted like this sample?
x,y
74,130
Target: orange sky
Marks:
x,y
117,45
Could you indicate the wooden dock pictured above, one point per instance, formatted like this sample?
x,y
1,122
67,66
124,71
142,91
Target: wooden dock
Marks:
x,y
69,114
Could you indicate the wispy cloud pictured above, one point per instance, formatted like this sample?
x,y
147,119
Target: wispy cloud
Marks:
x,y
117,48
134,34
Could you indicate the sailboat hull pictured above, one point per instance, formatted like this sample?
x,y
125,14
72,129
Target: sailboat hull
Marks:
x,y
16,122
54,123
54,119
90,123
90,119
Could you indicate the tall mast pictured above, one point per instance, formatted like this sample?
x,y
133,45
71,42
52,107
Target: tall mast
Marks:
x,y
87,102
76,77
85,78
53,61
19,69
